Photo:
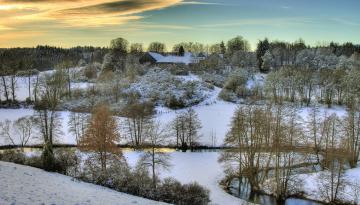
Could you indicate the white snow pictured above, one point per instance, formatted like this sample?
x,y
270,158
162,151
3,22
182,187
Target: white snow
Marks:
x,y
200,167
26,185
351,192
22,85
186,59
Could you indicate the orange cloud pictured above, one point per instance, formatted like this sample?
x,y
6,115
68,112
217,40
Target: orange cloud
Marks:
x,y
77,13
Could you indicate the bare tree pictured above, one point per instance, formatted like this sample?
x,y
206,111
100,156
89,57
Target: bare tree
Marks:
x,y
138,117
193,125
352,130
24,127
66,65
5,132
250,133
77,124
51,90
315,133
153,158
18,132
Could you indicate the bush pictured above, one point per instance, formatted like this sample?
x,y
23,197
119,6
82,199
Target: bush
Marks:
x,y
66,161
90,71
194,194
228,95
173,103
15,156
170,191
34,161
138,182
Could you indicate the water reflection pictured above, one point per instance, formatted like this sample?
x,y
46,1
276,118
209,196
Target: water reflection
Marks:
x,y
244,192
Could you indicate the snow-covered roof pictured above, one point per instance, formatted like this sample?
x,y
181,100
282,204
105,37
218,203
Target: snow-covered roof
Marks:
x,y
186,59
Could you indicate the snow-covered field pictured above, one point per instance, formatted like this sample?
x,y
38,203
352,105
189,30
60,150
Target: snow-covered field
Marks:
x,y
201,167
350,192
215,115
26,185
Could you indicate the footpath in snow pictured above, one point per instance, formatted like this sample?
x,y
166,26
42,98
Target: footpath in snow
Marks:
x,y
23,185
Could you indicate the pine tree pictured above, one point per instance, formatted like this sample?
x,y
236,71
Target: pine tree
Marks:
x,y
262,47
181,51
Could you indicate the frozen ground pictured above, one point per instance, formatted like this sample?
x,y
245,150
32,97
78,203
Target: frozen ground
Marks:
x,y
22,85
201,167
351,192
26,185
215,115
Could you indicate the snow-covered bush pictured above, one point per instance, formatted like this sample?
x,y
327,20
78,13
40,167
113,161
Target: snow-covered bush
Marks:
x,y
15,156
235,86
163,88
214,79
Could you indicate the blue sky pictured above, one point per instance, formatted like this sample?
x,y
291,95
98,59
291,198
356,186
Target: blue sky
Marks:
x,y
96,22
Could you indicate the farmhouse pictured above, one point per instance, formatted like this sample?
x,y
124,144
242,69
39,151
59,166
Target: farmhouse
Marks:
x,y
157,58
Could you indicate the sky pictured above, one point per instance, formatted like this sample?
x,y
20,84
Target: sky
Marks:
x,y
67,23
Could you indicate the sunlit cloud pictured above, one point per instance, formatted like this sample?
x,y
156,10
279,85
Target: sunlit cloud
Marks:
x,y
78,13
201,3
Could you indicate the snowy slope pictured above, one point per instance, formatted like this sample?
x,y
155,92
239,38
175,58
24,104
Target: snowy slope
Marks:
x,y
27,185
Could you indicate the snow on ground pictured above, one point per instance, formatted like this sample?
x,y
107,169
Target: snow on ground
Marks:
x,y
22,85
201,167
26,185
351,193
64,136
215,115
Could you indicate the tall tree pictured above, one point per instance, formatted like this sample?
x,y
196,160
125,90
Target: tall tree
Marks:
x,y
156,136
138,117
262,47
181,51
52,89
101,136
237,44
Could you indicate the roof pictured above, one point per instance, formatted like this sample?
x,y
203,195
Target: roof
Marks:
x,y
186,59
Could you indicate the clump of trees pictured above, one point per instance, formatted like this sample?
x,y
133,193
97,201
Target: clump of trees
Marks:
x,y
303,85
157,47
257,140
18,132
186,126
138,119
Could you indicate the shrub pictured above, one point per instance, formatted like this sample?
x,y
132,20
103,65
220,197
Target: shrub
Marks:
x,y
34,161
66,161
174,103
228,95
170,191
194,194
15,156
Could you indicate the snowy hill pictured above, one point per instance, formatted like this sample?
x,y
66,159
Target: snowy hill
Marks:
x,y
26,185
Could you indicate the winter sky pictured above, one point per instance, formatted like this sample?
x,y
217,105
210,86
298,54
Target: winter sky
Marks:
x,y
95,22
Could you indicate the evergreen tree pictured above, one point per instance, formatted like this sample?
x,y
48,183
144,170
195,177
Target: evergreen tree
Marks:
x,y
262,47
222,47
181,51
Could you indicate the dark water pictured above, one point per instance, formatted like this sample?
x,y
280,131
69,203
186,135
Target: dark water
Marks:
x,y
258,198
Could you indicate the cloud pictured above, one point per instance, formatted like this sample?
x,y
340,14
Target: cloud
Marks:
x,y
345,21
201,3
260,21
78,13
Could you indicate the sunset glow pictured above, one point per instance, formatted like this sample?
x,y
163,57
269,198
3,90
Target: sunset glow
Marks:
x,y
95,22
